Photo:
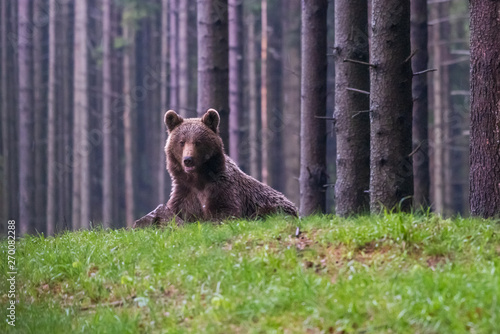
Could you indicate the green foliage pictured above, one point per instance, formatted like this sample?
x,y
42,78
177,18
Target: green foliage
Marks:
x,y
395,273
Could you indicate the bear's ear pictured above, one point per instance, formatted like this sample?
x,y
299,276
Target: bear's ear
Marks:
x,y
172,120
211,119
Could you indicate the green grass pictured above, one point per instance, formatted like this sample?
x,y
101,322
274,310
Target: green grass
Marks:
x,y
393,273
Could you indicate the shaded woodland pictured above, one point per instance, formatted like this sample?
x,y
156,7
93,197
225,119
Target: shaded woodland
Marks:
x,y
85,85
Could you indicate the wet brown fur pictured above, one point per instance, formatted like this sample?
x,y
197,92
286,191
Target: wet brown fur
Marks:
x,y
215,188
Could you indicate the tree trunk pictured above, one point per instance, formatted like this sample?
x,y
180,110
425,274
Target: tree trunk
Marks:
x,y
485,108
5,117
10,178
438,133
81,184
213,72
313,107
25,104
275,126
352,123
263,92
174,62
291,97
391,175
254,155
419,39
52,122
107,173
66,122
129,120
444,71
163,100
235,15
183,82
40,116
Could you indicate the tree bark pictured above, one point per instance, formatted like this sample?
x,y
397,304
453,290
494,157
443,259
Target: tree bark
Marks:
x,y
183,49
52,122
163,100
129,120
107,173
419,40
213,72
4,196
263,93
352,123
40,116
174,62
235,15
438,135
391,174
25,103
81,195
254,155
10,177
291,97
313,105
275,127
65,103
445,84
485,108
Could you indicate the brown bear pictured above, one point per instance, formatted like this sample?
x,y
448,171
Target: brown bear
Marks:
x,y
206,184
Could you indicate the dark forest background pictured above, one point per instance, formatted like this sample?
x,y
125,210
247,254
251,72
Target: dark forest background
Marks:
x,y
98,76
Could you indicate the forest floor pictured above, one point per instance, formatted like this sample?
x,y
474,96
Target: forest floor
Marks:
x,y
391,273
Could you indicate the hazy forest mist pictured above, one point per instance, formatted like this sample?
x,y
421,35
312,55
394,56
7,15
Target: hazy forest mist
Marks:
x,y
85,85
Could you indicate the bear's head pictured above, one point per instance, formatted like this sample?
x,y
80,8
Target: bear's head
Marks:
x,y
194,145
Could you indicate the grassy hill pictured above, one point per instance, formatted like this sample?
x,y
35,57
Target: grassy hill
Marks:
x,y
393,273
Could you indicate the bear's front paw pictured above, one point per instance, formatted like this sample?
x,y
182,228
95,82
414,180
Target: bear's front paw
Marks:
x,y
144,222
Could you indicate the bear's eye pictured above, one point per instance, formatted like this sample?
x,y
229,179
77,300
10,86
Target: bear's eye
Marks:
x,y
197,143
182,142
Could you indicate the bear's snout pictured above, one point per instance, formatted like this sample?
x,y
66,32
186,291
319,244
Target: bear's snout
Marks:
x,y
188,161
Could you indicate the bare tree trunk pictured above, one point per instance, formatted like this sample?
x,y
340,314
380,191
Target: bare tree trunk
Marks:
x,y
6,208
6,183
291,97
40,116
129,120
419,39
52,122
485,110
255,171
391,179
263,92
444,69
107,173
163,100
275,126
81,195
352,123
25,98
313,107
213,72
235,8
438,133
66,123
174,63
183,76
